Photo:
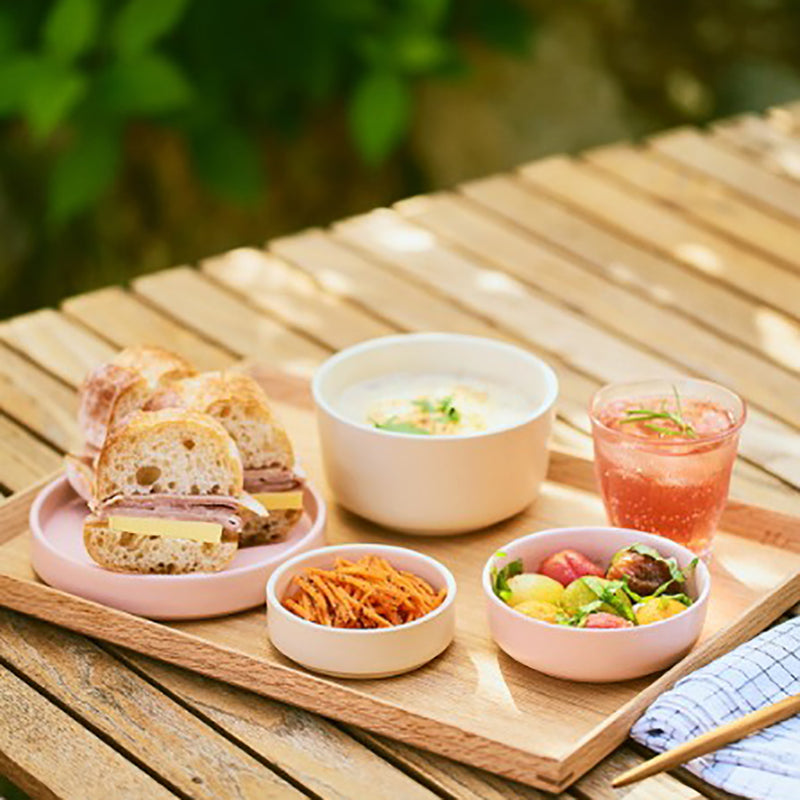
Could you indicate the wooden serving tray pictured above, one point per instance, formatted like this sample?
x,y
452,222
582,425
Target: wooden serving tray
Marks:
x,y
473,703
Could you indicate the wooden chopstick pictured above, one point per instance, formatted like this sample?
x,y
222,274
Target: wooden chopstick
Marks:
x,y
713,740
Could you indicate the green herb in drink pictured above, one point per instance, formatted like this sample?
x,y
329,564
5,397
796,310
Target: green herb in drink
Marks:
x,y
645,416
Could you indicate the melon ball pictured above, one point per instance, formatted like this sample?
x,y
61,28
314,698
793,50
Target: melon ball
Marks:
x,y
657,608
546,612
530,586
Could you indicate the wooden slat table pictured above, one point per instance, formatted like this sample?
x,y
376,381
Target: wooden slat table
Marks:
x,y
678,256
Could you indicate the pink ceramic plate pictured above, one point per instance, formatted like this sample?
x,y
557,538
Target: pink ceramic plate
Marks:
x,y
61,560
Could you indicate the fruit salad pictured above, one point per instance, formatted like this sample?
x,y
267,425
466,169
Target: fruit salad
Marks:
x,y
638,587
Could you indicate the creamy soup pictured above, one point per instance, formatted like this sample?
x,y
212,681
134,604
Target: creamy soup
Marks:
x,y
433,403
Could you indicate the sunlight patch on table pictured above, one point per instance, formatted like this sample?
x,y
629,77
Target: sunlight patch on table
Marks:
x,y
491,683
778,337
402,238
335,281
498,283
701,256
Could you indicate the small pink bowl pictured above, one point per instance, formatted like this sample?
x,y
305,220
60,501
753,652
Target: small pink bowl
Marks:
x,y
594,655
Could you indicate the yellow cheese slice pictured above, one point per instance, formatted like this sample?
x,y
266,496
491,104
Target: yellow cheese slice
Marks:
x,y
170,528
277,501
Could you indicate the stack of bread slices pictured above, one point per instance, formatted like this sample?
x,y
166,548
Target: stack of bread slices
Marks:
x,y
179,468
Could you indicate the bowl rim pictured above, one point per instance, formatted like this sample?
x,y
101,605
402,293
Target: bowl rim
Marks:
x,y
275,605
381,342
699,602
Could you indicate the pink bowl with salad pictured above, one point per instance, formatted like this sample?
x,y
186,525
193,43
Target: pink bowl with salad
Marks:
x,y
596,604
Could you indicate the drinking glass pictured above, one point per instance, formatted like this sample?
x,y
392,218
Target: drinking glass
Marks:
x,y
655,474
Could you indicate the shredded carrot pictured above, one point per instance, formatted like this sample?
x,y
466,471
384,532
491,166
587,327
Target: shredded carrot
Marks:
x,y
368,593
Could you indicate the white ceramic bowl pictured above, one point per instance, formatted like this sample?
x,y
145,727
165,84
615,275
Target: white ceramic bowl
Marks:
x,y
594,655
433,485
368,653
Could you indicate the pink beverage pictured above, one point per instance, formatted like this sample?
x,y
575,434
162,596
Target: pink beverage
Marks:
x,y
664,451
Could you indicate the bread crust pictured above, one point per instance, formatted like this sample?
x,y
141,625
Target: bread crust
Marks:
x,y
145,426
229,397
274,529
123,385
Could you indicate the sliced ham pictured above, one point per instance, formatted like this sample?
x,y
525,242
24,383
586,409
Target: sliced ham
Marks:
x,y
230,512
271,479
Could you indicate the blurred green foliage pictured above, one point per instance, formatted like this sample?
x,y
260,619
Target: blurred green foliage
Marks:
x,y
76,72
136,134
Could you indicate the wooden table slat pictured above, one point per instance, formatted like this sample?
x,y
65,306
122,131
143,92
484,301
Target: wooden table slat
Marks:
x,y
286,292
23,457
125,320
752,326
770,140
376,289
75,350
653,225
202,306
38,400
50,755
713,157
316,753
140,720
704,200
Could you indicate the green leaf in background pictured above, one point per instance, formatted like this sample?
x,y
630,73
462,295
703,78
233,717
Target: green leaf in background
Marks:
x,y
70,28
141,23
419,53
16,77
379,114
53,90
428,13
228,162
82,174
147,84
9,35
505,24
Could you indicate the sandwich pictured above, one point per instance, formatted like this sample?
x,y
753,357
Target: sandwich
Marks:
x,y
238,403
110,394
168,496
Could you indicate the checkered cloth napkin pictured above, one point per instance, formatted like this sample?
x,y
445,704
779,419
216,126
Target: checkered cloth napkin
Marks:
x,y
764,766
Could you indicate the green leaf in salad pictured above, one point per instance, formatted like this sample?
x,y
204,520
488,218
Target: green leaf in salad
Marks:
x,y
501,577
680,597
579,619
425,405
611,593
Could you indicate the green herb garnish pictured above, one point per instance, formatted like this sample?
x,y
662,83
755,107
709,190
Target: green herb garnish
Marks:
x,y
394,426
647,415
448,410
423,404
501,577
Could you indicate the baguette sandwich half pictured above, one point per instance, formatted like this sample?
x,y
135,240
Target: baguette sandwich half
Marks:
x,y
169,496
238,403
109,394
